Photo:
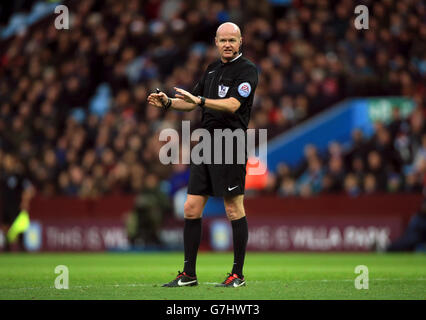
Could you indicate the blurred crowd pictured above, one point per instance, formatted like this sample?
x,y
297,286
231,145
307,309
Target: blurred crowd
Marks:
x,y
309,55
392,160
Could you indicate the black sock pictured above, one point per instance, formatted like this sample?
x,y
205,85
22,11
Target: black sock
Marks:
x,y
240,238
191,242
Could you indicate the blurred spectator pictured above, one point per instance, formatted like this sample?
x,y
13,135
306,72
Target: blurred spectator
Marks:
x,y
310,151
352,185
287,187
335,175
370,184
310,182
376,169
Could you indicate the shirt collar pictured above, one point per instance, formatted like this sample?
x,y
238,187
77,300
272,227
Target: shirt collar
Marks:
x,y
231,60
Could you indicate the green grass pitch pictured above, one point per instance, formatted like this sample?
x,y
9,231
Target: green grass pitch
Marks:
x,y
269,276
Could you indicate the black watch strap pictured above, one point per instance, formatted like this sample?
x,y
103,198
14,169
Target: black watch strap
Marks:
x,y
166,105
202,102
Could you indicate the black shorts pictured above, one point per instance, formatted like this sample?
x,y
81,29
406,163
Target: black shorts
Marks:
x,y
219,180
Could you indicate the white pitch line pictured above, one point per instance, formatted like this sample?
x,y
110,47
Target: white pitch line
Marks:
x,y
207,283
87,287
351,280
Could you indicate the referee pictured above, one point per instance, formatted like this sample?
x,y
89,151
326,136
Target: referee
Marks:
x,y
225,93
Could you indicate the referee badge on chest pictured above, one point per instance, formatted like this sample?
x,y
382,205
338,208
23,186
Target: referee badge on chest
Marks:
x,y
223,90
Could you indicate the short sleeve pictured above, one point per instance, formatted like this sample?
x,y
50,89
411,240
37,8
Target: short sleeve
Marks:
x,y
244,85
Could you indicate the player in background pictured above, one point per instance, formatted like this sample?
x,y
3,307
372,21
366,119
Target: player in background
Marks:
x,y
16,192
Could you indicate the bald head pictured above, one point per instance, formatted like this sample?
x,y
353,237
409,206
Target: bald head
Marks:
x,y
228,41
228,28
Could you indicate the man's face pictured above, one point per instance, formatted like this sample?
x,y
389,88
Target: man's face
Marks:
x,y
228,43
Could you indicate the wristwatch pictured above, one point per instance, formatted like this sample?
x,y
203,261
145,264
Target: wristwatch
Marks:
x,y
202,101
166,105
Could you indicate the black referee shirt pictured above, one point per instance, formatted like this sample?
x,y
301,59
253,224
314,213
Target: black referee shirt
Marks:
x,y
237,78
